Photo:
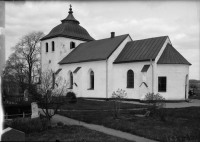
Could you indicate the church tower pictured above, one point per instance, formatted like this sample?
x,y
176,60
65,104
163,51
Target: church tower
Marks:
x,y
61,40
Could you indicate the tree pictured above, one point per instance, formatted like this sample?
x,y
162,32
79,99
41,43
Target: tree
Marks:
x,y
28,50
53,88
116,103
13,75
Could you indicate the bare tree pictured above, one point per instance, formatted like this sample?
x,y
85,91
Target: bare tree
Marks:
x,y
28,50
53,88
117,96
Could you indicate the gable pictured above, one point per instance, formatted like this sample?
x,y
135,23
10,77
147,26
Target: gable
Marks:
x,y
141,50
171,56
94,50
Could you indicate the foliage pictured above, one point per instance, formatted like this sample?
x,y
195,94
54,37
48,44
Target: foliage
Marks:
x,y
60,124
156,104
116,103
52,89
28,125
23,65
71,97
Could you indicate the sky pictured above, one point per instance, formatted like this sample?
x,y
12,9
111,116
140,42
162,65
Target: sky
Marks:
x,y
180,20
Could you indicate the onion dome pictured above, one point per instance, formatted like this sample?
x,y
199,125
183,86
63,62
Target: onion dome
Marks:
x,y
69,28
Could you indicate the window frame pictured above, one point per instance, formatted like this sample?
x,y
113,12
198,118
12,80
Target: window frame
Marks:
x,y
47,47
53,46
130,76
70,80
160,89
72,45
91,80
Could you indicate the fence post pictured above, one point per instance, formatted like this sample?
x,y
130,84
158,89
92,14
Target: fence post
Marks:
x,y
23,115
6,116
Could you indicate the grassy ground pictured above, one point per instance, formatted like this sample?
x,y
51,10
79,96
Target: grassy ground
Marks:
x,y
72,134
182,124
82,104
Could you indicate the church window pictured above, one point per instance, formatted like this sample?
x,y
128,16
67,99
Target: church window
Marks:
x,y
130,79
46,47
53,48
91,80
162,84
72,45
71,80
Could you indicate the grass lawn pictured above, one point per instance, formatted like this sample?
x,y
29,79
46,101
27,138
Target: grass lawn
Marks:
x,y
182,124
83,104
72,134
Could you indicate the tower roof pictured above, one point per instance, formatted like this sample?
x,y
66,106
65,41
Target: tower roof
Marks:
x,y
69,28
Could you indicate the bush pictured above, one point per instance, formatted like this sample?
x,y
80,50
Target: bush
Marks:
x,y
156,104
60,124
71,97
117,98
28,125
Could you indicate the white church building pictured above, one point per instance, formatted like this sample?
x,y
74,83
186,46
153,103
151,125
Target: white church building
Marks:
x,y
97,68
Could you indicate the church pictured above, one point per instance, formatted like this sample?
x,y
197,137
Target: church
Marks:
x,y
97,68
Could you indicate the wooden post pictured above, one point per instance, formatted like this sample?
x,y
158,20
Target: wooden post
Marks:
x,y
23,115
6,116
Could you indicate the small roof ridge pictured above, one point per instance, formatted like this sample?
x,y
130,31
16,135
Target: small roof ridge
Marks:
x,y
149,38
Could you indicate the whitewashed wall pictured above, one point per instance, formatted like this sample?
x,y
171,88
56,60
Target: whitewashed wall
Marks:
x,y
110,68
81,78
176,75
120,78
61,50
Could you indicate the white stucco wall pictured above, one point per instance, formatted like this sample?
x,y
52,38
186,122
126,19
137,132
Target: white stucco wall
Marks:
x,y
61,49
176,80
81,78
111,70
120,78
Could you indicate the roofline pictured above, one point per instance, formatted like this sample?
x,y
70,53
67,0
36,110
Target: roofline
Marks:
x,y
91,60
151,38
176,63
118,45
44,38
133,61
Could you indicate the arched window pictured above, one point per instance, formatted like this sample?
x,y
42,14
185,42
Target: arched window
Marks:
x,y
91,80
71,80
46,47
130,79
53,48
72,45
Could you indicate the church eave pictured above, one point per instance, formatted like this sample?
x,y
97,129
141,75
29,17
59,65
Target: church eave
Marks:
x,y
130,61
78,38
91,60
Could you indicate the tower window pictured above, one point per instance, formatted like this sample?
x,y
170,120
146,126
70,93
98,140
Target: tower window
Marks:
x,y
130,79
53,48
72,45
46,47
162,84
91,80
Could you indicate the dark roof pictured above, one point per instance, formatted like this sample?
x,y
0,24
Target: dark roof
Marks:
x,y
76,70
141,50
94,50
69,28
145,68
171,56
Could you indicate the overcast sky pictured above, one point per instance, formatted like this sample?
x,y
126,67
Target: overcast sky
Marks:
x,y
179,20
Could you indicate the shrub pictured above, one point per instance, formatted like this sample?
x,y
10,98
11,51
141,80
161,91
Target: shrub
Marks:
x,y
156,104
117,98
28,125
60,124
71,97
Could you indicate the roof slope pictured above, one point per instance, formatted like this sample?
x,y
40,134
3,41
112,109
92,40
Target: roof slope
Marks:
x,y
141,50
69,28
94,50
171,56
